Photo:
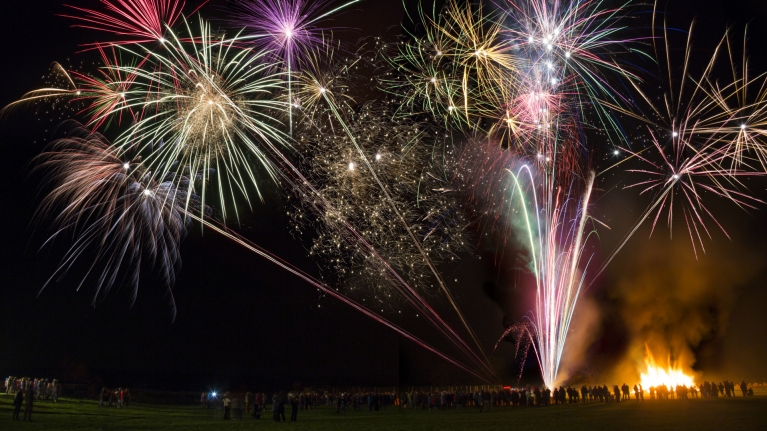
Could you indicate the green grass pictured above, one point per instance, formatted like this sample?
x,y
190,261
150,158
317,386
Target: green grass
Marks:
x,y
698,415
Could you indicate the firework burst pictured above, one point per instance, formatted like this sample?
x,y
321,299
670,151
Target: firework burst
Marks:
x,y
701,142
288,30
417,191
137,21
115,209
460,70
204,103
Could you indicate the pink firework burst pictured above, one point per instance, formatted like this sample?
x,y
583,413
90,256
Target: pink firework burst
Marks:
x,y
137,21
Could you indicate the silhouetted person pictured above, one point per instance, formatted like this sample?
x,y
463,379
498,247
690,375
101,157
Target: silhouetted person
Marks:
x,y
18,400
227,407
743,387
28,405
281,407
294,409
275,407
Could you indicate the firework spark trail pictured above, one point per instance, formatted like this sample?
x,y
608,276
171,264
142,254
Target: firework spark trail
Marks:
x,y
169,154
461,71
106,93
665,178
112,204
405,289
201,158
201,87
141,21
318,87
558,54
404,223
203,103
577,43
287,29
563,58
117,208
556,246
228,233
701,142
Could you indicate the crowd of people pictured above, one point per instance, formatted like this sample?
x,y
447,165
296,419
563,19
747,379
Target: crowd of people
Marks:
x,y
41,388
236,405
706,390
119,397
255,404
26,390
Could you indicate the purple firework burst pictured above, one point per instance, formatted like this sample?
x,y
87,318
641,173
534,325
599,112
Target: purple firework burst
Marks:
x,y
287,28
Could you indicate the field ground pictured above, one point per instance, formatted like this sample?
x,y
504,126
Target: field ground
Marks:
x,y
716,414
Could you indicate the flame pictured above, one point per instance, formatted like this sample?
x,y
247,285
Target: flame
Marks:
x,y
672,375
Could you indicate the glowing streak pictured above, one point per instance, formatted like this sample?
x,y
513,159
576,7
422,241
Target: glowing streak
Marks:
x,y
423,254
555,253
327,290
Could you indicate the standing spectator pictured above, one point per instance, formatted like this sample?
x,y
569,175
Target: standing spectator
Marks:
x,y
275,407
281,406
237,407
248,401
227,406
28,404
259,403
294,408
18,400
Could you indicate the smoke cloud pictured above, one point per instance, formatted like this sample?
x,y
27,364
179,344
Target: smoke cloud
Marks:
x,y
671,303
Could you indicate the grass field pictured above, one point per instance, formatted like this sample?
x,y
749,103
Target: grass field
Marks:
x,y
717,414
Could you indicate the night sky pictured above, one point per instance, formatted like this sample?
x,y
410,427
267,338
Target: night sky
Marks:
x,y
242,320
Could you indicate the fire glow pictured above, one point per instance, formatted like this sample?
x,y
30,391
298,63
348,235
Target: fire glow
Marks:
x,y
671,375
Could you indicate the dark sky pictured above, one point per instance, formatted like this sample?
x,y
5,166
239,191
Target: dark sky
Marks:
x,y
243,321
